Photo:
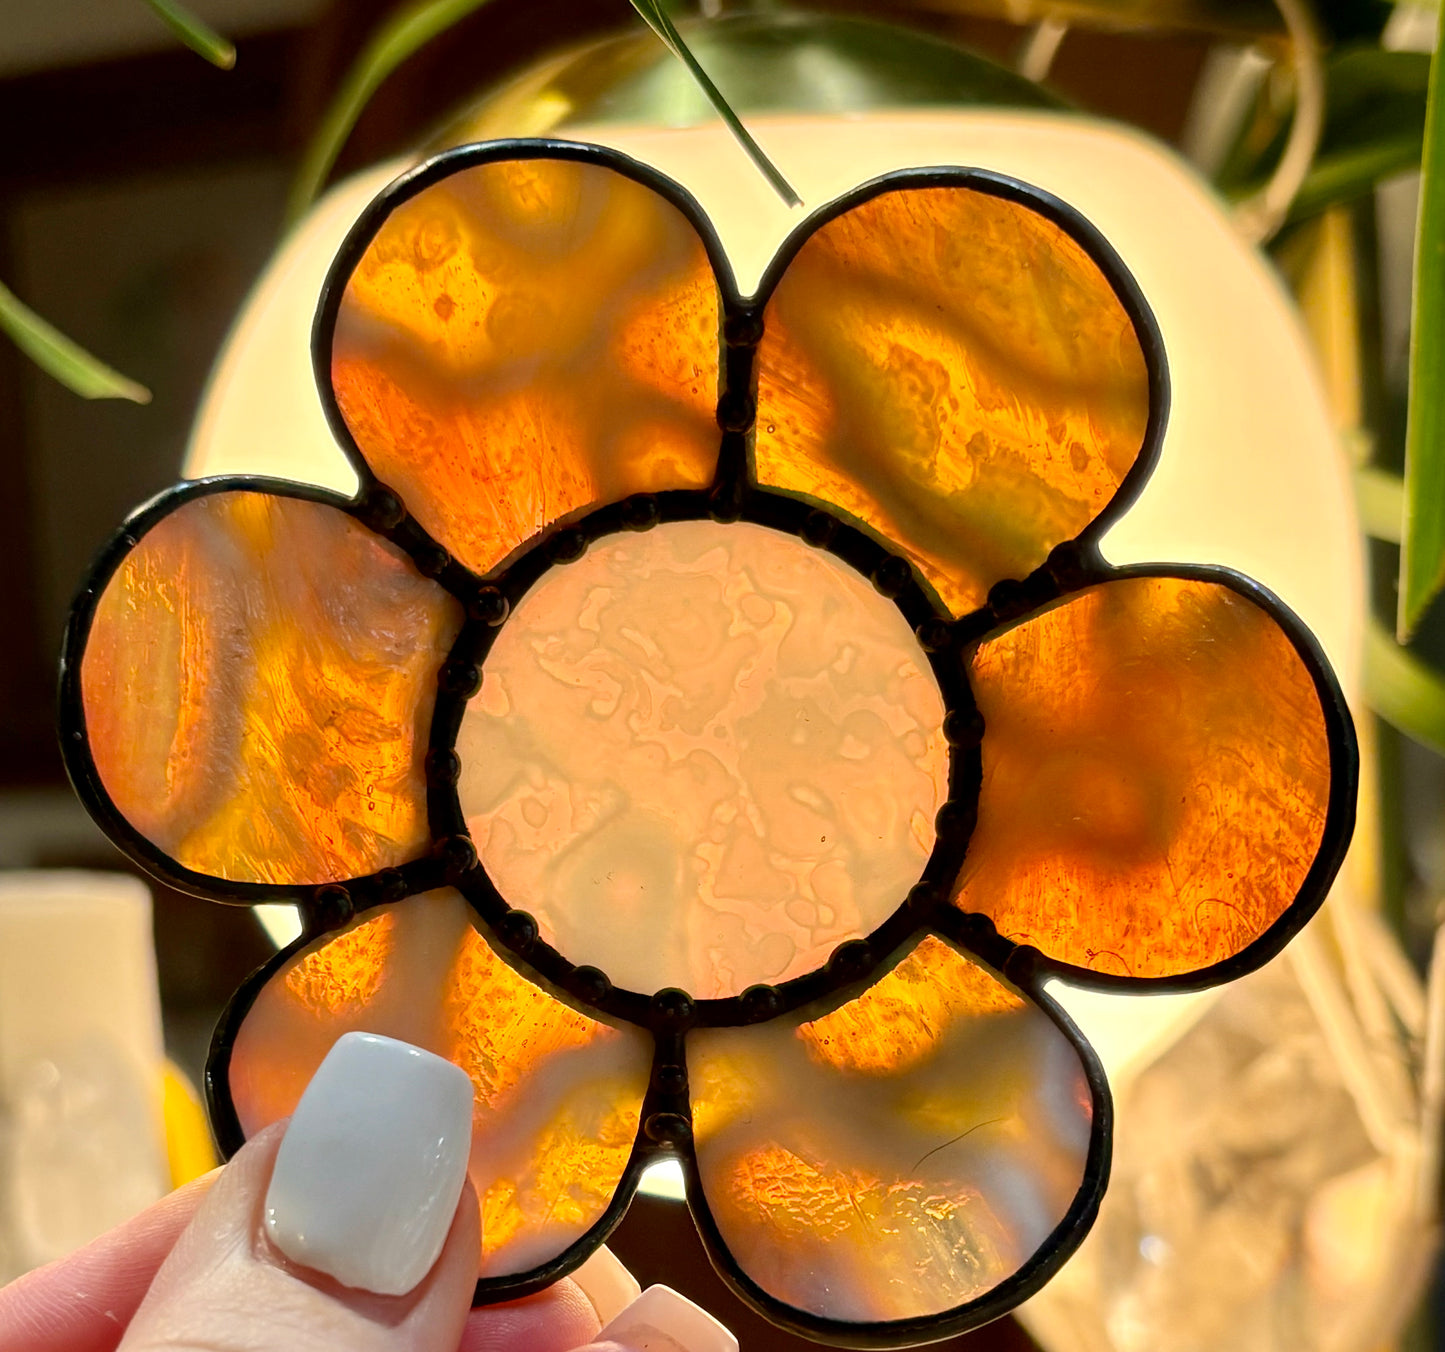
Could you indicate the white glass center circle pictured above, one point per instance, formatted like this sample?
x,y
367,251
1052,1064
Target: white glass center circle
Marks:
x,y
703,756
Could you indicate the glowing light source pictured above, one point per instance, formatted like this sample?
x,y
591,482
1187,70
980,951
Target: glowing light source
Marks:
x,y
1251,474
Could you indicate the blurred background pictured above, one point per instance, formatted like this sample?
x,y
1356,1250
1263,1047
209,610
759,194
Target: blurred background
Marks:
x,y
143,190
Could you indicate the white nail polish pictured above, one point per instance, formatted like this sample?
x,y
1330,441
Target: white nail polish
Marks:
x,y
660,1320
371,1168
607,1284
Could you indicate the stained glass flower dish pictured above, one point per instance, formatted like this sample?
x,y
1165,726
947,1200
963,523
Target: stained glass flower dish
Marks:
x,y
713,722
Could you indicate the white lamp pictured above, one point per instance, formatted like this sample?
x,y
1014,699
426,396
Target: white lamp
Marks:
x,y
1251,475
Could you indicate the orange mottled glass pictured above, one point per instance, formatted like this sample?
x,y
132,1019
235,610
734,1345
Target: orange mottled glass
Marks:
x,y
956,372
1156,774
900,1021
258,684
558,1094
900,1156
525,339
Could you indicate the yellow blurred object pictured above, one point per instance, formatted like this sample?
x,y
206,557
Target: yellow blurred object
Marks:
x,y
189,1149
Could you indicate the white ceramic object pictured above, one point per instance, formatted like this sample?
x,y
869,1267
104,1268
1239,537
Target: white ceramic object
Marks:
x,y
82,1145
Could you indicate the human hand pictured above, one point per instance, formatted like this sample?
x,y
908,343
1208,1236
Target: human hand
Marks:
x,y
209,1268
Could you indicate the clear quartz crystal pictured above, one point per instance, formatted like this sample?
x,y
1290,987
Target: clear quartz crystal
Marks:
x,y
1249,1207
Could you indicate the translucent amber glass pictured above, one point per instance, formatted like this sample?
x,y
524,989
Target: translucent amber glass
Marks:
x,y
258,685
558,1094
957,373
898,1157
525,339
1156,776
704,755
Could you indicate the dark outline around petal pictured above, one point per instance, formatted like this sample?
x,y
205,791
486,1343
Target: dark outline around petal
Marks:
x,y
230,1137
75,744
380,509
433,171
741,315
1033,1274
1095,246
1339,819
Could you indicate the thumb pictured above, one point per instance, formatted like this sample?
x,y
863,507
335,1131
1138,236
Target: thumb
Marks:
x,y
356,1232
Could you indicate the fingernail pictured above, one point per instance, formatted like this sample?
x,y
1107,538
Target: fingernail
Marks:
x,y
371,1168
607,1284
660,1320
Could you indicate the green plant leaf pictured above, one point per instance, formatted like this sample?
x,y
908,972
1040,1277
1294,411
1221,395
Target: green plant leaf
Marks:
x,y
1422,548
195,32
655,16
1404,691
1374,95
1345,175
58,356
408,30
1374,126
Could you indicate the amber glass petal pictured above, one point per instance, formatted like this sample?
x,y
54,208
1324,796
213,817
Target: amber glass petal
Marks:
x,y
258,683
558,1094
958,373
526,338
1156,777
900,1157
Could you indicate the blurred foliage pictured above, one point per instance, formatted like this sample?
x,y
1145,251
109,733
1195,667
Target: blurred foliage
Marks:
x,y
1422,544
1374,126
1403,690
411,28
773,62
195,32
58,356
1382,117
654,14
40,340
1380,501
408,29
